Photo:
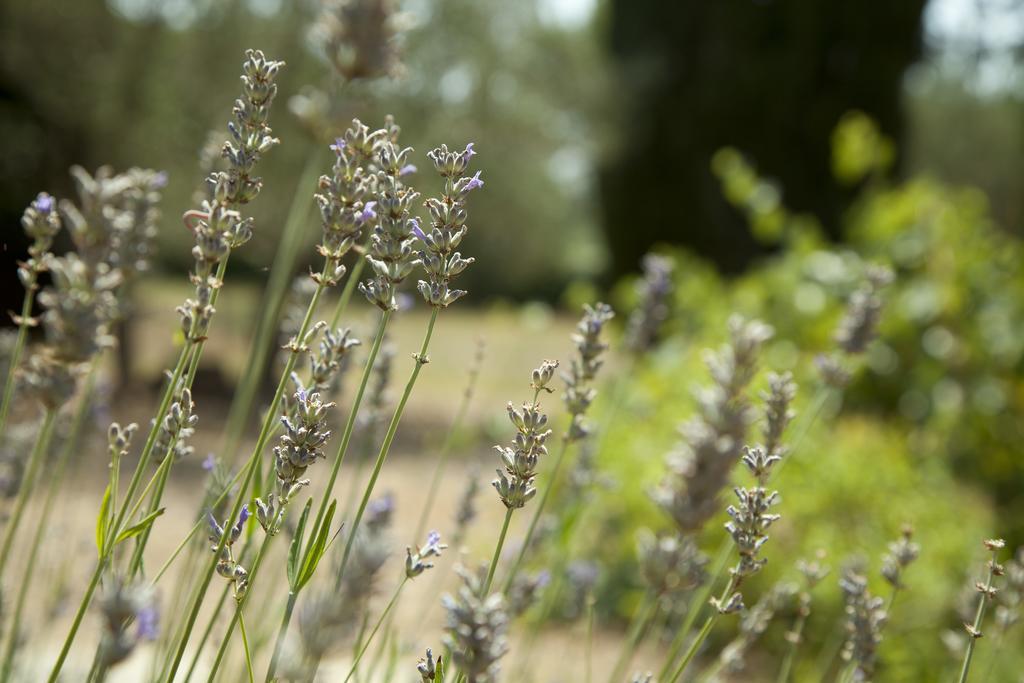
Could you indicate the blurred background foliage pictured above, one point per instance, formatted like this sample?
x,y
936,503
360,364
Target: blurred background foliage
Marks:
x,y
772,148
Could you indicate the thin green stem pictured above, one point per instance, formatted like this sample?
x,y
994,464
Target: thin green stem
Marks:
x,y
702,635
497,553
693,609
245,646
237,617
350,424
346,293
538,510
420,360
637,625
24,322
28,483
79,615
588,659
446,447
201,645
250,470
270,309
975,631
282,631
29,574
376,627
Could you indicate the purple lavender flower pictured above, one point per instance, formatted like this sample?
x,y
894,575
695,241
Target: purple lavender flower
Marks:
x,y
470,152
43,203
384,505
209,462
417,230
474,182
215,529
243,517
368,213
339,146
407,169
160,180
148,620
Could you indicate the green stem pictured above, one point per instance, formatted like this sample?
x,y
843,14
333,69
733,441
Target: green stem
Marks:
x,y
446,447
702,635
693,609
420,361
79,615
250,470
979,615
588,660
350,424
636,628
346,293
201,645
376,627
245,646
19,347
281,632
237,617
55,482
28,482
270,309
537,512
497,554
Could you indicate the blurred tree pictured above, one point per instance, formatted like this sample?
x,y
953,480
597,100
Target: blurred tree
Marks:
x,y
771,77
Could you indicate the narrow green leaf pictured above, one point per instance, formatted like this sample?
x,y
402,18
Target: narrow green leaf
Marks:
x,y
138,528
317,547
101,521
293,549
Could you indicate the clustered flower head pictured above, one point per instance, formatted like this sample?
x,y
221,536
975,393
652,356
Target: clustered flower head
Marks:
x,y
713,440
670,564
579,390
79,307
865,619
515,481
218,226
476,627
525,590
439,257
1011,597
332,355
115,221
754,623
390,252
427,668
358,37
344,199
120,606
301,444
418,562
178,425
778,414
858,326
466,510
226,565
902,552
41,221
655,291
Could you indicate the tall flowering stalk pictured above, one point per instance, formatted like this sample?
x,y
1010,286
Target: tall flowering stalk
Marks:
x,y
518,472
218,227
986,593
476,627
712,444
392,259
41,222
579,394
299,447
